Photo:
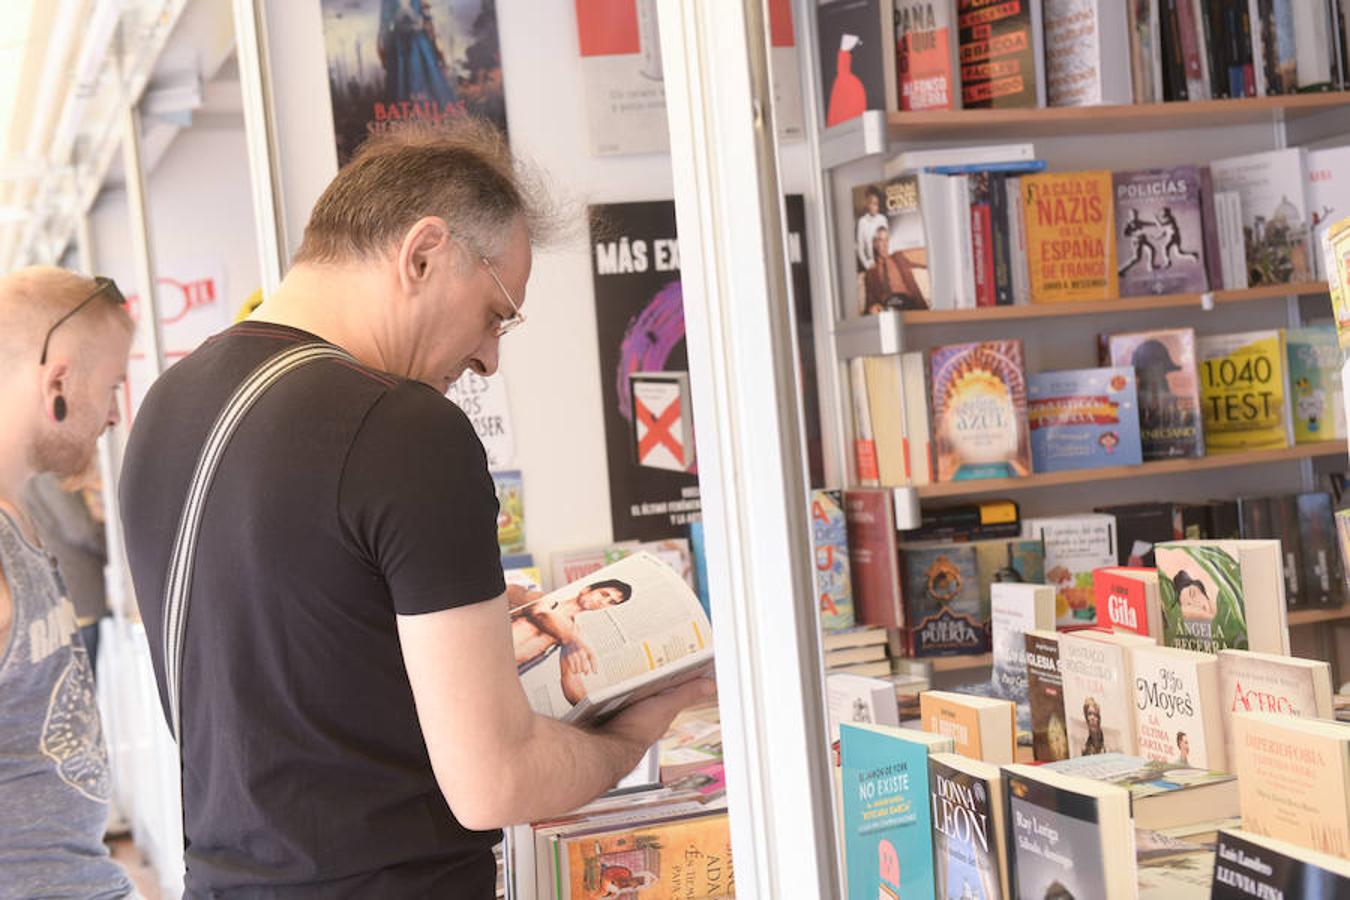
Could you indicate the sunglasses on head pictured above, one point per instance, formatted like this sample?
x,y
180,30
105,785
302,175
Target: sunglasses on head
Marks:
x,y
106,288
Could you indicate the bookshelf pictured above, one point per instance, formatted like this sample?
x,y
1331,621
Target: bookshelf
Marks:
x,y
1124,305
1160,467
872,133
1318,616
987,124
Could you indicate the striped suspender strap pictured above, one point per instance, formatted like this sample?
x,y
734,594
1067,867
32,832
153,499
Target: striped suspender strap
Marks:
x,y
178,585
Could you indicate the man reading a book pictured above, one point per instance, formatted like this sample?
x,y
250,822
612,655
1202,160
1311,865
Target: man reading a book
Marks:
x,y
540,626
350,717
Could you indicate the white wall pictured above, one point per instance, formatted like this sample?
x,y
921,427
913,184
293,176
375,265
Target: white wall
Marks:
x,y
550,365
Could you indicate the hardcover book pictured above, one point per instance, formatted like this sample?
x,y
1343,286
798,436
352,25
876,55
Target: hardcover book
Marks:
x,y
1220,595
1262,682
1045,693
928,74
1164,796
1294,779
1068,837
1070,236
1316,399
1075,546
891,246
1127,599
1083,419
888,823
1014,610
874,568
945,612
969,831
1160,245
829,533
979,410
1086,63
983,728
853,57
1169,390
1177,707
1242,391
1275,221
1000,52
1098,695
1249,865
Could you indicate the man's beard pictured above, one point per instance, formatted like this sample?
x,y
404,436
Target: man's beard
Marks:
x,y
61,455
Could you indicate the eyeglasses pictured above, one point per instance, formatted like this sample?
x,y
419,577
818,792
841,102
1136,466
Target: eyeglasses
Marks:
x,y
107,287
517,318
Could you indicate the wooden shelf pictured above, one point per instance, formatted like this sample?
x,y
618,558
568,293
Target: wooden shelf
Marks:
x,y
1315,616
1075,120
1161,467
1107,307
961,663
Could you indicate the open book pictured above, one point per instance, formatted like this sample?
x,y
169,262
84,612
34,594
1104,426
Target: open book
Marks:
x,y
620,634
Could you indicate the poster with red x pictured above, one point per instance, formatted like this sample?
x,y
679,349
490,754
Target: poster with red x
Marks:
x,y
663,438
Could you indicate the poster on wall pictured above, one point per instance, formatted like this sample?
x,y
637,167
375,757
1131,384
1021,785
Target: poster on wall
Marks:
x,y
644,379
193,306
625,95
484,401
639,314
410,63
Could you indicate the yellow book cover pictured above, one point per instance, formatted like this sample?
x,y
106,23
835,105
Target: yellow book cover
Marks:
x,y
1293,779
954,720
689,859
1242,391
1070,227
1336,256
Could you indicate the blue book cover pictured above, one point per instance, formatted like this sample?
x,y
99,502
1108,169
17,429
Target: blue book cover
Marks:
x,y
700,554
888,823
1083,419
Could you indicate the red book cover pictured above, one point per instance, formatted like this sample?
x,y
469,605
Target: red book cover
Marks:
x,y
1121,601
982,239
874,563
924,55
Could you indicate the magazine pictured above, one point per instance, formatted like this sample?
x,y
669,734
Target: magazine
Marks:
x,y
630,630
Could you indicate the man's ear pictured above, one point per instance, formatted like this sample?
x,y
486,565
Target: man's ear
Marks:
x,y
420,251
55,383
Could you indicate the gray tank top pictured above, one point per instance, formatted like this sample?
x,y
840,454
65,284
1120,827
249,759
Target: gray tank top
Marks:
x,y
54,782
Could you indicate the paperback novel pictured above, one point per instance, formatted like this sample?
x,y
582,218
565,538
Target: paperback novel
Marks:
x,y
1262,682
928,74
1000,54
1083,419
979,408
945,612
1098,696
1045,693
1169,391
1202,597
1242,391
1075,547
1316,400
1249,865
829,532
1070,236
686,857
1177,716
891,246
853,57
1160,246
969,834
1275,222
1016,609
888,824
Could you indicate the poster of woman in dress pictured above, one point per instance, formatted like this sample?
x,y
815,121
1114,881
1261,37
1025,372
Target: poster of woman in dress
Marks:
x,y
418,63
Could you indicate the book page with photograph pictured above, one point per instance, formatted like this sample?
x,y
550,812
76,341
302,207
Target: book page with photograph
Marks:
x,y
628,630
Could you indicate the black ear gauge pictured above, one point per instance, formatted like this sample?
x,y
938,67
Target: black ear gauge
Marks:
x,y
59,408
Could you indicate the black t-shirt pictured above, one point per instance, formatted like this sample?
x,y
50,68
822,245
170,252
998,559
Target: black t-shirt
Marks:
x,y
346,496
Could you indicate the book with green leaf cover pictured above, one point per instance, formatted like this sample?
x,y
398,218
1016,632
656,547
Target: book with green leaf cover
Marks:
x,y
1222,595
